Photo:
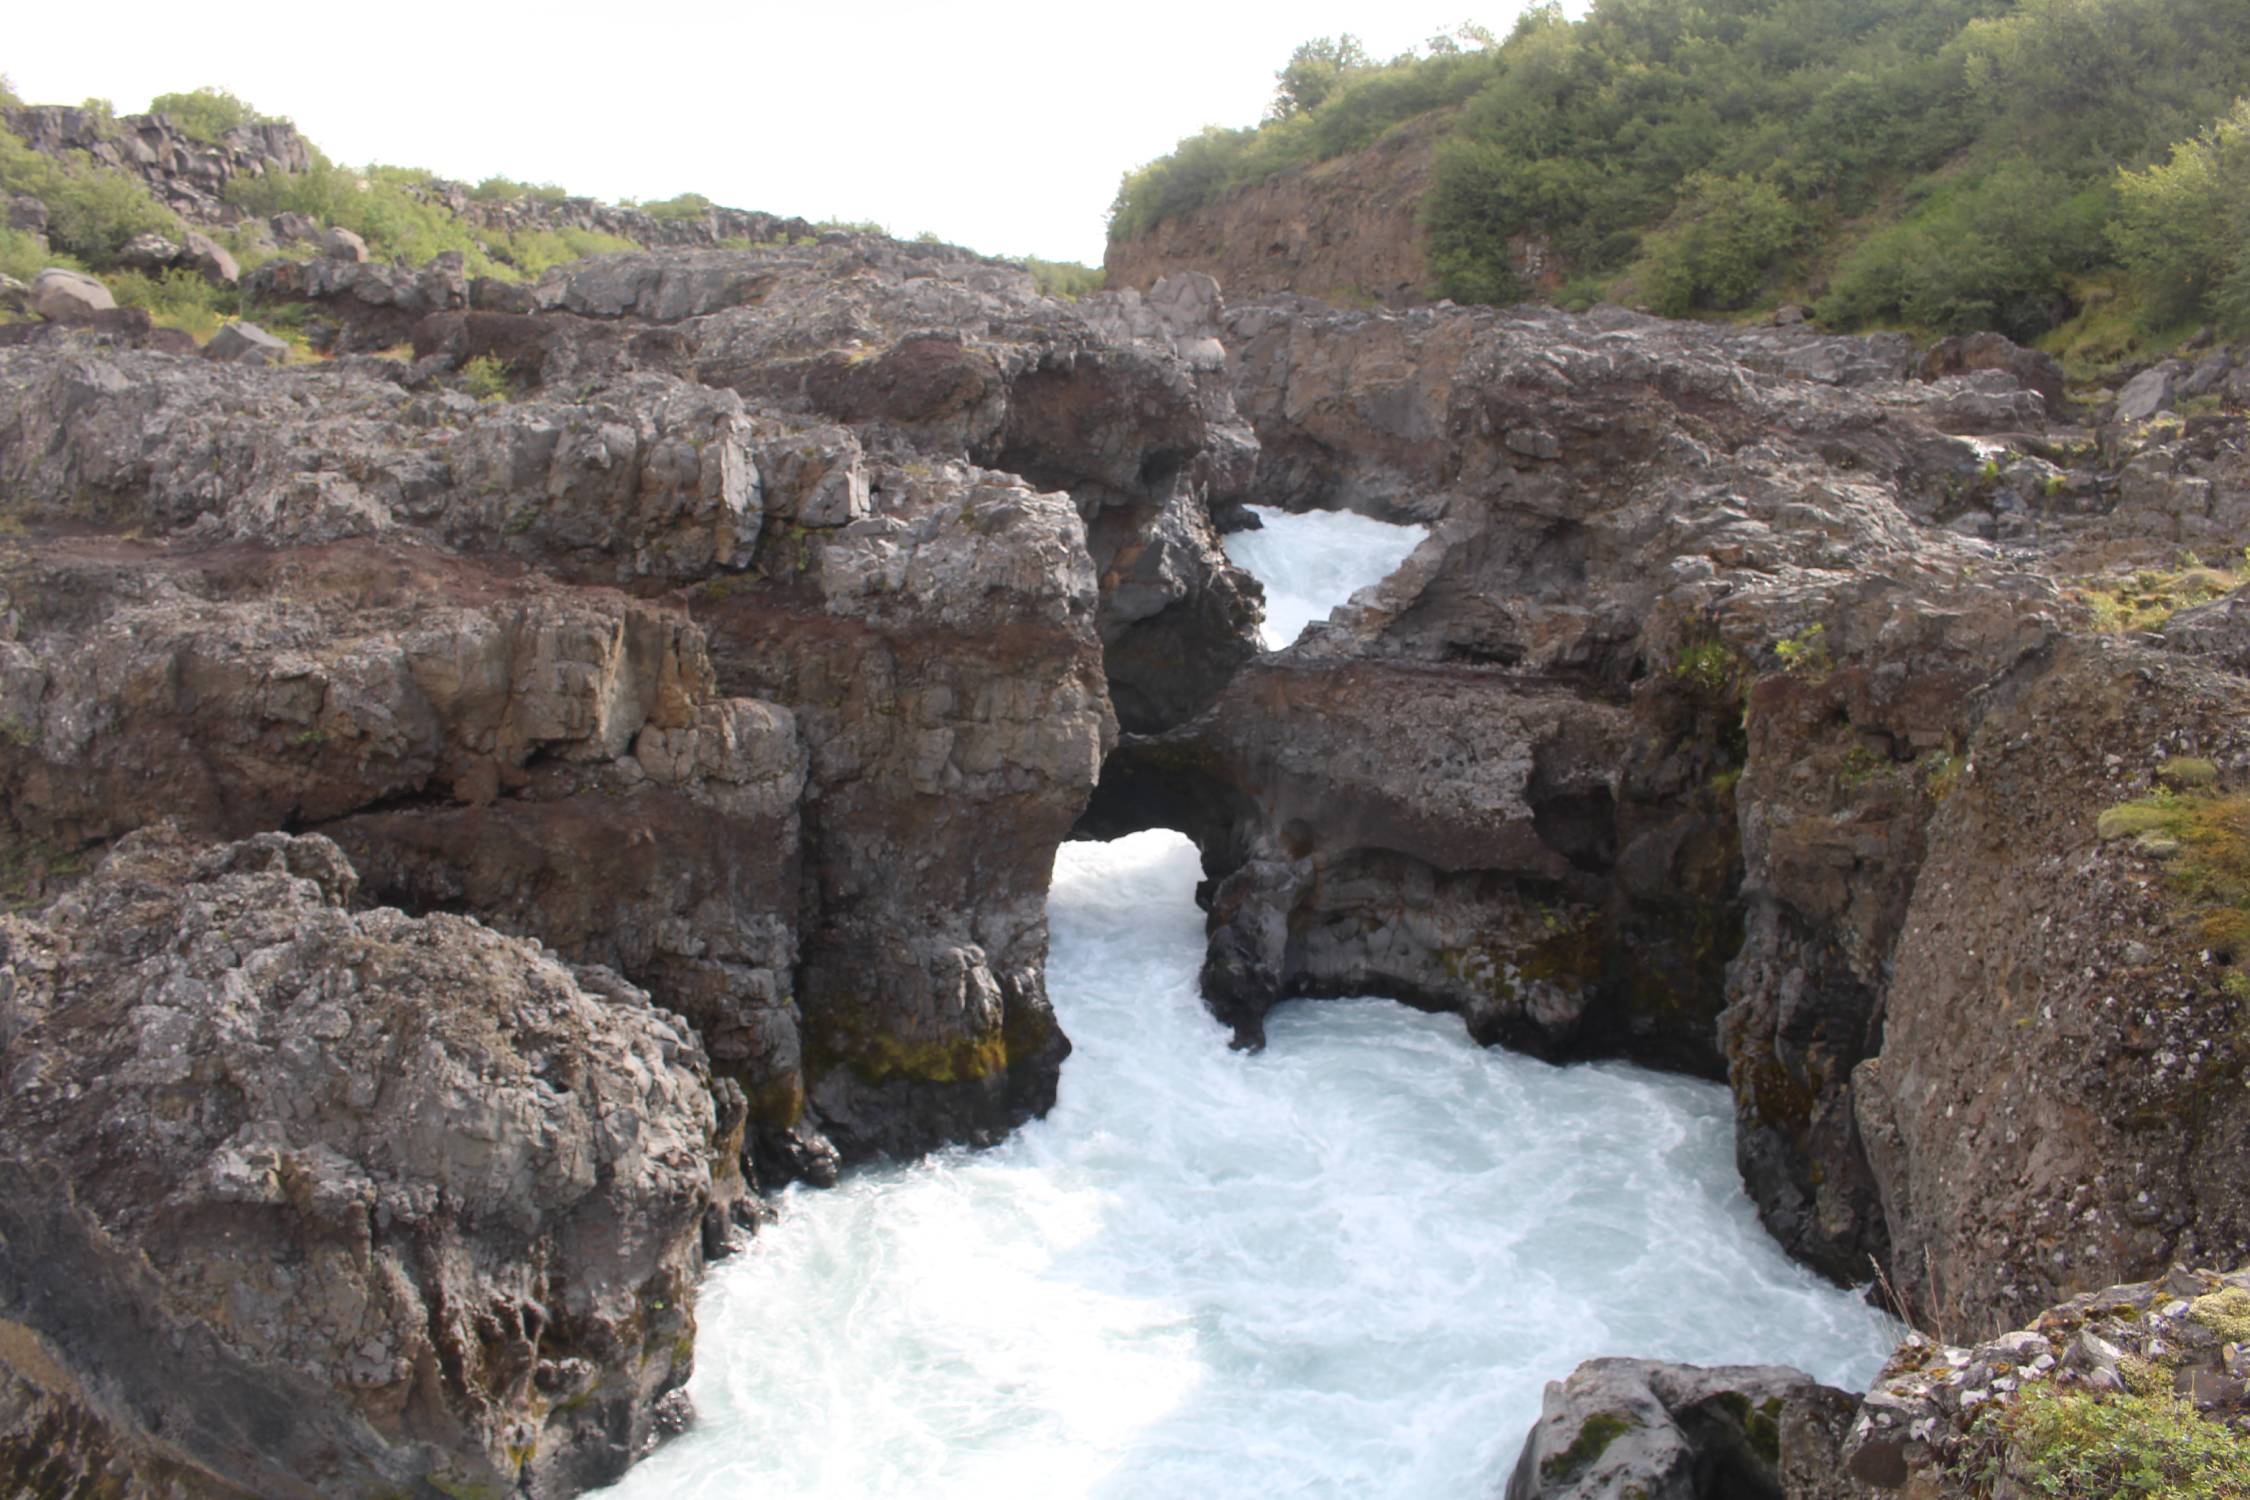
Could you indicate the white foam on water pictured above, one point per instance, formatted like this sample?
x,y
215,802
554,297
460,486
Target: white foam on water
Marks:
x,y
1341,1267
1313,562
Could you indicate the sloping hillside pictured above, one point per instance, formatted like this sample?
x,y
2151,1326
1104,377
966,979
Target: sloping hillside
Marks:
x,y
1945,165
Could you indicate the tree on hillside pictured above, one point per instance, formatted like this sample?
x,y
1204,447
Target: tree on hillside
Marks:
x,y
1315,71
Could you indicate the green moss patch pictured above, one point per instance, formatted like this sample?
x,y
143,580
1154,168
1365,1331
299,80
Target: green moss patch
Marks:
x,y
2204,834
2226,1313
1593,1440
2125,603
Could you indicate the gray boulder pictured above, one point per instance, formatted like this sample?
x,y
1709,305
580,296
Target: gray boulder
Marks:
x,y
294,228
342,244
62,296
209,258
1630,1429
246,344
148,252
301,1201
2151,391
1969,353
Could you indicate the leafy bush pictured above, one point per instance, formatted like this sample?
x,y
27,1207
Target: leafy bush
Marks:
x,y
487,378
176,299
2183,226
22,257
508,190
1721,244
1998,252
379,205
2130,1446
528,252
685,206
1063,278
2000,127
1316,70
206,114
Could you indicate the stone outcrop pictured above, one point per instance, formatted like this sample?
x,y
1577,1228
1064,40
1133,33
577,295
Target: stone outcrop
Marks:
x,y
1631,519
1937,1422
758,582
62,296
2058,1091
1682,736
302,1200
191,176
186,175
706,228
1346,230
1628,1429
769,619
749,651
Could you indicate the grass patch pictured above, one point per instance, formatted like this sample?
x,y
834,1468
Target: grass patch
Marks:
x,y
176,299
1806,652
2203,835
2123,604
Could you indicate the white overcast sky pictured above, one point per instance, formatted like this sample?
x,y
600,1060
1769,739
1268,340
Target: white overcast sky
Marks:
x,y
1004,127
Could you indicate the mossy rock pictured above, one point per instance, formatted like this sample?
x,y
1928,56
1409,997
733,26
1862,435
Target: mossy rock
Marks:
x,y
1595,1435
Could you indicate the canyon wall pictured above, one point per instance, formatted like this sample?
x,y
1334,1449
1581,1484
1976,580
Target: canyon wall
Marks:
x,y
1346,230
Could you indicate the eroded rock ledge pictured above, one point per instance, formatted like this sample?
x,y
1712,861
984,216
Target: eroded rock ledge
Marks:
x,y
764,643
303,1201
1733,718
751,653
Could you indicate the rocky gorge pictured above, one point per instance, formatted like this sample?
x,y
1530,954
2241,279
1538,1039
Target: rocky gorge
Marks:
x,y
719,692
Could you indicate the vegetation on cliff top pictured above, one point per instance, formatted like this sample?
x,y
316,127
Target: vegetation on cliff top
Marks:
x,y
1944,164
400,212
2146,1444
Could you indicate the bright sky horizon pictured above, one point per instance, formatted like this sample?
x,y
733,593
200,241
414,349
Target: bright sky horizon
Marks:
x,y
1004,127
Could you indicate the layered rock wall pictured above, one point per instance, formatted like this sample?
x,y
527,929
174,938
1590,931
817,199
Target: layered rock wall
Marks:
x,y
732,653
1347,230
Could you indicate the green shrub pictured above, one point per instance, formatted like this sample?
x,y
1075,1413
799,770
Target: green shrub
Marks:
x,y
91,210
2128,1446
176,299
508,190
487,378
2183,225
1721,244
1998,251
206,114
685,206
1315,71
1063,278
382,205
531,251
2206,836
23,257
1998,126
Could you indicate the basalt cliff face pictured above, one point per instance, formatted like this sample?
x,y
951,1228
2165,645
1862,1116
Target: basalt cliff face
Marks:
x,y
746,661
1348,229
1732,718
752,655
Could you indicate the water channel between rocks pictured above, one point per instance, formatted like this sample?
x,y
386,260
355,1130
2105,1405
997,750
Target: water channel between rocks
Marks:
x,y
1342,1267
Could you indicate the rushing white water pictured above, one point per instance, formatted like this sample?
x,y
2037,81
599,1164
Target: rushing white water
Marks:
x,y
1311,563
1341,1267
